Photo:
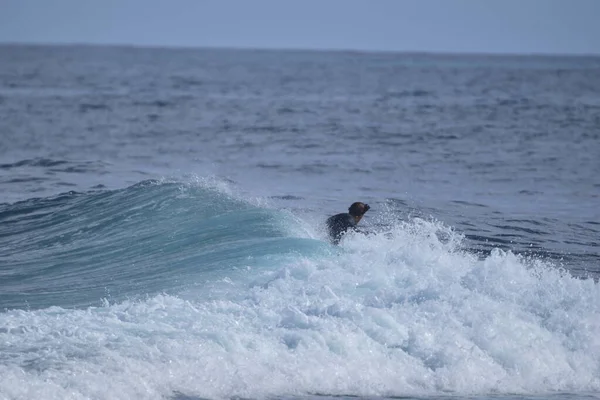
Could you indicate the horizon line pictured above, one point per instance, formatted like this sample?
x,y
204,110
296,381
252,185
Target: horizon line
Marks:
x,y
295,49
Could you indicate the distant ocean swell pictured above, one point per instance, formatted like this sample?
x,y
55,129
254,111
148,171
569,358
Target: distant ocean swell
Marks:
x,y
170,289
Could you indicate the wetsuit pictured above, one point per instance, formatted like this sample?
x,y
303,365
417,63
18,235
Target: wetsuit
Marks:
x,y
339,224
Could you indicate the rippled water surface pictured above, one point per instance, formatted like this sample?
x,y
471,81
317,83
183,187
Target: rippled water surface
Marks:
x,y
161,224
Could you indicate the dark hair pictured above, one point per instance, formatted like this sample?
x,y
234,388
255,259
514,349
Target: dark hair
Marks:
x,y
357,209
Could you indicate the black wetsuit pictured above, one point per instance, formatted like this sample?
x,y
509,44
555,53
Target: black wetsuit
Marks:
x,y
339,224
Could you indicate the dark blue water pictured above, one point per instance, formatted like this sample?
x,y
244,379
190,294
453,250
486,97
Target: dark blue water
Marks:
x,y
161,224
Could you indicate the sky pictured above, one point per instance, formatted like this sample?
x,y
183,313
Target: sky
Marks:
x,y
454,26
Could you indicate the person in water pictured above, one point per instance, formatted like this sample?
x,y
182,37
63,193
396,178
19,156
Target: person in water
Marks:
x,y
339,224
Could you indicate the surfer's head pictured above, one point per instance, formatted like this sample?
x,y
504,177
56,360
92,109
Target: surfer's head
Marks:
x,y
358,209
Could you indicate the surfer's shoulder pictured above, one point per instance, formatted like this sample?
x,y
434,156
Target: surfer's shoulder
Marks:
x,y
341,218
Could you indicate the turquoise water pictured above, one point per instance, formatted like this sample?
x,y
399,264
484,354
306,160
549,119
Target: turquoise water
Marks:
x,y
82,249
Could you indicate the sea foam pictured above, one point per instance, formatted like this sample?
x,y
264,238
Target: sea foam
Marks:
x,y
402,312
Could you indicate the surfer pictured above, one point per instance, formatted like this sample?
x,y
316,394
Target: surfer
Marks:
x,y
339,224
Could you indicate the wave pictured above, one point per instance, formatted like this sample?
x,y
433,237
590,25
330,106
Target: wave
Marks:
x,y
76,249
241,300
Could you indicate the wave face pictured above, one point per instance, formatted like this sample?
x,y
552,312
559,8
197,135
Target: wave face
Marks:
x,y
76,249
185,290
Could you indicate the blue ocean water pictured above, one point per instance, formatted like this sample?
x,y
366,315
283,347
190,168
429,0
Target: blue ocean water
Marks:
x,y
161,217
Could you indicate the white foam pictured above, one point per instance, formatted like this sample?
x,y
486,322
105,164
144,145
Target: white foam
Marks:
x,y
401,313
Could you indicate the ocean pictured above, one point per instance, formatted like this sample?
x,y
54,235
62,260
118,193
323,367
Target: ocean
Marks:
x,y
162,212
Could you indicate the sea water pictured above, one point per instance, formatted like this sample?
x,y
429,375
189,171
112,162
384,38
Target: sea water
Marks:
x,y
161,224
